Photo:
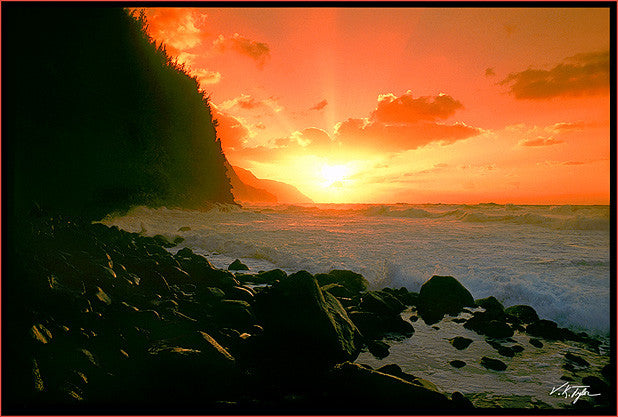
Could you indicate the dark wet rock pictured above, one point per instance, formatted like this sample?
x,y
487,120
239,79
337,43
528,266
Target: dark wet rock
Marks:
x,y
536,343
435,327
492,306
498,329
220,279
460,342
237,266
506,351
378,348
493,364
460,402
403,295
566,378
457,363
337,290
517,348
236,314
413,318
609,372
381,302
270,277
184,229
577,360
376,326
597,386
353,282
546,329
240,293
304,325
442,295
154,282
523,313
460,320
368,389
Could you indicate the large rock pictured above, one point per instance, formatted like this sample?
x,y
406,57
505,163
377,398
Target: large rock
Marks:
x,y
305,326
546,329
525,314
356,387
492,307
376,326
354,282
442,295
380,302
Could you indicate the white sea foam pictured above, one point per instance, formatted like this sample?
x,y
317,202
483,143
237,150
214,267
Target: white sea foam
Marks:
x,y
554,258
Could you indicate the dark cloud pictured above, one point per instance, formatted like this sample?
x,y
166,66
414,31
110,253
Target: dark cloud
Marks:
x,y
258,51
248,102
489,72
540,141
579,75
320,105
407,109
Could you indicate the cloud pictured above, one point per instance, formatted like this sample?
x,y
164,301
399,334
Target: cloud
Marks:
x,y
540,141
247,102
230,130
489,72
179,28
407,109
205,76
258,51
578,75
320,105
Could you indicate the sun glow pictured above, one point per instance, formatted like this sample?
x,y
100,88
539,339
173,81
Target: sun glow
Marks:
x,y
334,175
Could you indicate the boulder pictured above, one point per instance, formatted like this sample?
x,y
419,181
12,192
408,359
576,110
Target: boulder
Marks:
x,y
457,364
305,326
494,364
442,295
378,348
240,293
536,343
353,282
460,402
524,313
460,343
376,326
492,307
354,386
381,303
546,329
269,277
236,314
337,290
237,266
577,360
498,329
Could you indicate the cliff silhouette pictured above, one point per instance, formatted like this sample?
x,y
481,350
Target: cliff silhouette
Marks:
x,y
97,117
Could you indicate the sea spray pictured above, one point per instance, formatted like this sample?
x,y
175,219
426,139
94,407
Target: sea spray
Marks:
x,y
554,258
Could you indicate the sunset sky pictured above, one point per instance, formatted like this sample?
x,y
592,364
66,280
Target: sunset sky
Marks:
x,y
407,104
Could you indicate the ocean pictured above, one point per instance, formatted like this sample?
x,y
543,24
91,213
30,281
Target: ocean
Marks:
x,y
553,258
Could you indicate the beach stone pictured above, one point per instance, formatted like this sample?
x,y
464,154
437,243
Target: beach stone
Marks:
x,y
492,306
413,318
546,329
524,313
184,229
337,290
381,303
378,348
498,329
304,325
237,266
395,370
240,293
536,343
442,295
368,389
236,314
517,348
597,386
403,295
355,283
270,277
457,364
577,360
493,364
460,402
460,343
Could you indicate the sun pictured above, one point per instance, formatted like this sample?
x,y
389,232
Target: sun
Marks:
x,y
333,175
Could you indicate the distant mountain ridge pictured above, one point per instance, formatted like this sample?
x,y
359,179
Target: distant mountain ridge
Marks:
x,y
246,187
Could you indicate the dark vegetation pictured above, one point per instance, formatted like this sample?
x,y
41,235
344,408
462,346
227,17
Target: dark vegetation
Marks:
x,y
96,117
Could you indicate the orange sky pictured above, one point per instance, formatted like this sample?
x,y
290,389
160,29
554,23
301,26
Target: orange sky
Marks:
x,y
407,104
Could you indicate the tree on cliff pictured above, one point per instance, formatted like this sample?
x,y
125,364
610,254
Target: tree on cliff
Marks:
x,y
97,117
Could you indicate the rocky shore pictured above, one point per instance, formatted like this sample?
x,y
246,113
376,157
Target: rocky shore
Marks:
x,y
99,319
